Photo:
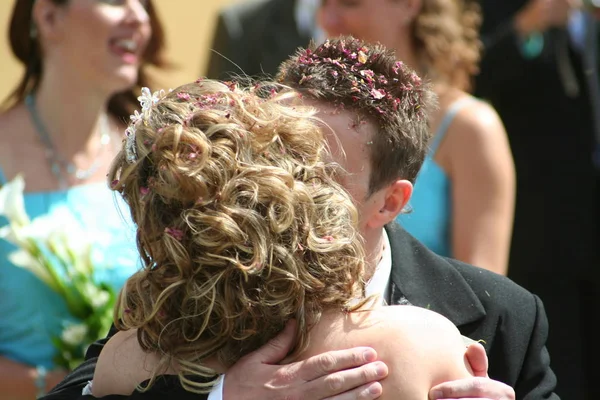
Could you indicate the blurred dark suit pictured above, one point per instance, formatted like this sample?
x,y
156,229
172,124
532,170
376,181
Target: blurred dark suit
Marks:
x,y
257,35
547,105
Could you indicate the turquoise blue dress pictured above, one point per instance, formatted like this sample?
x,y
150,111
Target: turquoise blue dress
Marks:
x,y
30,313
430,216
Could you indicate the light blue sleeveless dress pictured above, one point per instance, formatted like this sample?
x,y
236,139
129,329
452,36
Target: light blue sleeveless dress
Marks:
x,y
430,217
30,313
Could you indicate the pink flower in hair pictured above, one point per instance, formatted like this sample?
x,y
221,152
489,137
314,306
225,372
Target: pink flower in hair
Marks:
x,y
377,94
175,233
397,66
230,85
416,80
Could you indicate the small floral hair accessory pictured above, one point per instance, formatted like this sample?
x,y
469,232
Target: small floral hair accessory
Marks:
x,y
147,100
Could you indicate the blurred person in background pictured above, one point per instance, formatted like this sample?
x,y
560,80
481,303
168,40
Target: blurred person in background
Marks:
x,y
540,72
253,37
463,200
61,128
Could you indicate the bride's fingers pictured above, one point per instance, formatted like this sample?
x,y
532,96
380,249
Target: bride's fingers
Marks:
x,y
365,392
355,383
323,364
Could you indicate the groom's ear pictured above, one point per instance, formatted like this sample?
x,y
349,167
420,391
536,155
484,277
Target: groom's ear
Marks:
x,y
476,360
393,200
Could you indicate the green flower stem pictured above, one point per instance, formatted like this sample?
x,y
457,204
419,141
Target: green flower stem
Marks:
x,y
57,284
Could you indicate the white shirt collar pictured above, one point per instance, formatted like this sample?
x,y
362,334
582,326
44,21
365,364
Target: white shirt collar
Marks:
x,y
380,282
216,392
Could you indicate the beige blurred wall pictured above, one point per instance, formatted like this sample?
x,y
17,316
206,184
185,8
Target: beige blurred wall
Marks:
x,y
189,27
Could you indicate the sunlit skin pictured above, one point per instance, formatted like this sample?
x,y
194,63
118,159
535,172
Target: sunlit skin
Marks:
x,y
349,138
99,42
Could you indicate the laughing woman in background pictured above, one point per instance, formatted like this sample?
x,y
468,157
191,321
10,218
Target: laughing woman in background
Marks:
x,y
60,128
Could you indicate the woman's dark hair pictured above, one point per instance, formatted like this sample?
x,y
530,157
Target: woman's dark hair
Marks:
x,y
27,50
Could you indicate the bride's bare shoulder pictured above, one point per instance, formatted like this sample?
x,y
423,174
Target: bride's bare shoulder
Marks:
x,y
369,325
122,365
417,332
420,347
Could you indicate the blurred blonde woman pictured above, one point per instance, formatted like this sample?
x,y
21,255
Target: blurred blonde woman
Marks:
x,y
463,201
243,228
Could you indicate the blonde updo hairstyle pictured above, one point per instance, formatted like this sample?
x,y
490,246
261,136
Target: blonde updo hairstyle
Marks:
x,y
446,36
240,227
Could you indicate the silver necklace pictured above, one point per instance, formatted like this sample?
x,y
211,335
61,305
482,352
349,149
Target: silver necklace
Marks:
x,y
61,168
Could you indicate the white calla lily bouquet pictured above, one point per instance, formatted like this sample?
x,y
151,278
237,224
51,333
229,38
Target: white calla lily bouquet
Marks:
x,y
58,251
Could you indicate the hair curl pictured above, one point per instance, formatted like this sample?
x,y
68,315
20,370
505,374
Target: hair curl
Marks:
x,y
446,35
241,227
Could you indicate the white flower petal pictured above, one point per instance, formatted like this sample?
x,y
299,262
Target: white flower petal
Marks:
x,y
12,205
136,116
23,259
100,299
8,233
74,334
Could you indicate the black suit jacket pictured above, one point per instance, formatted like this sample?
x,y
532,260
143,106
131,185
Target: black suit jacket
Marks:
x,y
483,305
255,37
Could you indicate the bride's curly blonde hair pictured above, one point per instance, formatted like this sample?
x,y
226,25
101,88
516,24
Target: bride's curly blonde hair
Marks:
x,y
446,35
241,227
